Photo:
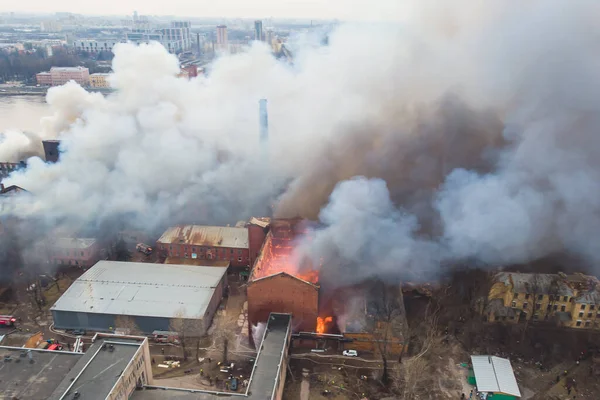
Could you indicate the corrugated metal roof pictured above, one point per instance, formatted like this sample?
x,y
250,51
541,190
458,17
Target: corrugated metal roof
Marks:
x,y
141,289
495,374
263,222
214,236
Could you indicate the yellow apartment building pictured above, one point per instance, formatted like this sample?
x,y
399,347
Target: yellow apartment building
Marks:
x,y
99,80
567,300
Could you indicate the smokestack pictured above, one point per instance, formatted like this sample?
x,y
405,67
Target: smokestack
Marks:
x,y
264,121
51,150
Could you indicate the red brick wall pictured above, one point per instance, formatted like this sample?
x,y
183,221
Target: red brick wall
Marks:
x,y
256,238
236,257
283,294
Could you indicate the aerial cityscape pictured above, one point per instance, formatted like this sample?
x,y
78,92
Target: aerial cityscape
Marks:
x,y
388,200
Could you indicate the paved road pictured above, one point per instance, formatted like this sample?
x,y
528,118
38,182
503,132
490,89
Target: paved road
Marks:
x,y
38,91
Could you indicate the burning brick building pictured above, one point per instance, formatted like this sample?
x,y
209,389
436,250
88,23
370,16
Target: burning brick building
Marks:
x,y
278,283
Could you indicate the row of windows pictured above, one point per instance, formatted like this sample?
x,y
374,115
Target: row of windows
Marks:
x,y
536,317
554,307
551,298
209,256
203,249
541,296
58,253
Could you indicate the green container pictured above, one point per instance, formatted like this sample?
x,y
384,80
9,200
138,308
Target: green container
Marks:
x,y
471,378
501,396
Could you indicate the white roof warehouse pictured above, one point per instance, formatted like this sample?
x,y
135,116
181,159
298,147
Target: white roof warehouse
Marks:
x,y
495,375
151,294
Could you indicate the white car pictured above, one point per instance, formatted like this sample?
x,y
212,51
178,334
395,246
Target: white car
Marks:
x,y
350,353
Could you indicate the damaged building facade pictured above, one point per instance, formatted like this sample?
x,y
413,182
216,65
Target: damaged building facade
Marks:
x,y
68,251
206,242
364,317
567,300
277,285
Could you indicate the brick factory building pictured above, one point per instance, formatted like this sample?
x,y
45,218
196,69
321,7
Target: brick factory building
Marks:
x,y
66,251
277,285
206,242
257,232
44,78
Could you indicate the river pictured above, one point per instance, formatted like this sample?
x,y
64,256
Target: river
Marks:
x,y
22,113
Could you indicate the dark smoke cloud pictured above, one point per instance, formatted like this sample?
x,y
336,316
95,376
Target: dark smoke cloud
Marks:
x,y
473,123
527,182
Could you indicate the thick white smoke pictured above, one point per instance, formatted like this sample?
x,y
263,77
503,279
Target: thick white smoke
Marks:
x,y
476,121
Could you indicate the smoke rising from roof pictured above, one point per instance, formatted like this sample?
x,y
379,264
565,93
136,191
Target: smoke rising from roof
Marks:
x,y
475,127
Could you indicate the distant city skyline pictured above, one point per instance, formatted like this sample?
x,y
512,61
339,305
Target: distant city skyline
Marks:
x,y
316,9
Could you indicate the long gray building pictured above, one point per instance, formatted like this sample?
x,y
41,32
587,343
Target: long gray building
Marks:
x,y
142,297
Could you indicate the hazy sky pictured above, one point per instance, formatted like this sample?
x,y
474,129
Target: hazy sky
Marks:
x,y
341,9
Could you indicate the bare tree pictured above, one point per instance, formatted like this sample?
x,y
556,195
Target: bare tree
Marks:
x,y
411,378
388,321
127,324
534,287
189,329
224,338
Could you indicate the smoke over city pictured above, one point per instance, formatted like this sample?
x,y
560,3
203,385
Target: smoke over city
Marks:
x,y
464,133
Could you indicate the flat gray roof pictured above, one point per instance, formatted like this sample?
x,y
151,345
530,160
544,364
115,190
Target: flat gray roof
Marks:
x,y
98,370
23,380
142,289
104,370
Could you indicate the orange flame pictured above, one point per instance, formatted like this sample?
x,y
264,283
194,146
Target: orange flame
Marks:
x,y
278,256
322,323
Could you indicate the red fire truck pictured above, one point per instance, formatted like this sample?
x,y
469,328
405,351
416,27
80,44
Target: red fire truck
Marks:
x,y
7,320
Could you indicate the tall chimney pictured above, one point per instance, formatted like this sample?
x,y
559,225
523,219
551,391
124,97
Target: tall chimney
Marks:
x,y
264,121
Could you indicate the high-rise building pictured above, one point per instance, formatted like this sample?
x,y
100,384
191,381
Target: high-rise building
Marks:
x,y
264,120
222,43
180,32
258,30
269,36
135,16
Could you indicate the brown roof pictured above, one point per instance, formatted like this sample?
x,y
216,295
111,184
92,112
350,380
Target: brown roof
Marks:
x,y
213,236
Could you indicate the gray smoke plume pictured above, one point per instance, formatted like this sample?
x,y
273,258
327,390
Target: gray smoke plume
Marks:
x,y
527,184
473,123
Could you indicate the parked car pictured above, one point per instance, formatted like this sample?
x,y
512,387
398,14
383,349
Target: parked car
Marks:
x,y
234,384
78,332
350,353
7,320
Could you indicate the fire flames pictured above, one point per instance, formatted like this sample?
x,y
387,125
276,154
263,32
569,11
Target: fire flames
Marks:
x,y
322,323
278,256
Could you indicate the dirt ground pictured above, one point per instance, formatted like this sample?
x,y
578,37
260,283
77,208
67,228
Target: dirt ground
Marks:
x,y
204,372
